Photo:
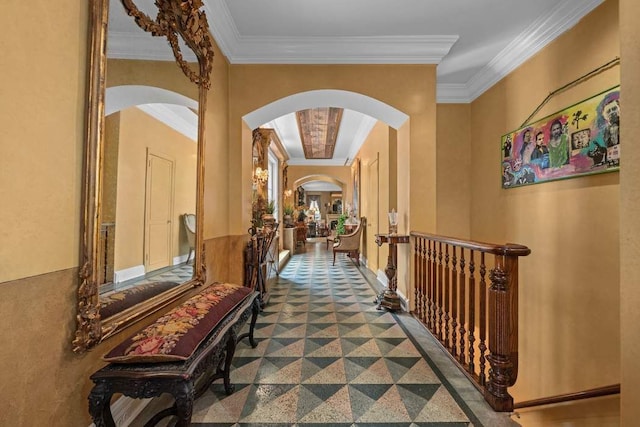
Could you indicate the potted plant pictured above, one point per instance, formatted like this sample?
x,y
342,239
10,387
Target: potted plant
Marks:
x,y
340,229
288,215
268,218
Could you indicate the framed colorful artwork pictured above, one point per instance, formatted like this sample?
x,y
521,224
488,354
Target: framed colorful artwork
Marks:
x,y
582,139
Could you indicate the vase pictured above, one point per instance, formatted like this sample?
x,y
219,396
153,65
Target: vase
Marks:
x,y
268,220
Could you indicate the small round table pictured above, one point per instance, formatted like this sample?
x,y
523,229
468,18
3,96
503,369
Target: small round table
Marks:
x,y
389,298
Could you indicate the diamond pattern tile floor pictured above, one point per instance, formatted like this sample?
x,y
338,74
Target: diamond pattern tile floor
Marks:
x,y
328,357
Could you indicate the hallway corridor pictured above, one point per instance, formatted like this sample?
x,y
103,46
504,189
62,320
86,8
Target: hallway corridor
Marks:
x,y
327,357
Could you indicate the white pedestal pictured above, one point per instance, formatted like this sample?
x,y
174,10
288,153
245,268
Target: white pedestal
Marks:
x,y
288,239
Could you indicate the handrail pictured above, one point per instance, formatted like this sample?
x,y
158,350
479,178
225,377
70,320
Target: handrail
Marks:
x,y
509,249
570,397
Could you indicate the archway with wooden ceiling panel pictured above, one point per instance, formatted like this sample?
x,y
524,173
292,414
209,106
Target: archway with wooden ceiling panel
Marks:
x,y
336,98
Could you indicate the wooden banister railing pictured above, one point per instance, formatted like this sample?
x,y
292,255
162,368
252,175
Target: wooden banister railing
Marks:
x,y
570,397
474,317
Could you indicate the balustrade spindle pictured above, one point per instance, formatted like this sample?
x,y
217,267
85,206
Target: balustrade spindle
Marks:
x,y
454,303
440,295
447,307
463,298
417,262
430,286
425,265
472,312
483,320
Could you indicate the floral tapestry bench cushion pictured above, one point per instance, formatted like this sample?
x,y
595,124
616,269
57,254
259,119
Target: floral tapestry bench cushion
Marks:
x,y
178,333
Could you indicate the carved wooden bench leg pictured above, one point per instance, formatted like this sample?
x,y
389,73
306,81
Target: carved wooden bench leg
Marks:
x,y
184,396
231,349
100,405
254,318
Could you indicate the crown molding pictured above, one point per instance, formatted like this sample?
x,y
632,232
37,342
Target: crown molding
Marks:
x,y
341,50
322,50
535,37
452,93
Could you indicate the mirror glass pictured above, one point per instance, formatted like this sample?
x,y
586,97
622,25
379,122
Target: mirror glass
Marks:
x,y
143,194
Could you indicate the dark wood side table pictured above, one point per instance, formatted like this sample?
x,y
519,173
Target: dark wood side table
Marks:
x,y
389,299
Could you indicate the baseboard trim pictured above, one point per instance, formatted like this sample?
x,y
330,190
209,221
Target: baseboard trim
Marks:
x,y
128,273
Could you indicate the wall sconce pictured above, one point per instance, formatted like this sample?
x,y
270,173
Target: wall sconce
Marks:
x,y
287,193
260,176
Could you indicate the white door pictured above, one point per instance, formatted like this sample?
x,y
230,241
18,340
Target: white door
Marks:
x,y
158,212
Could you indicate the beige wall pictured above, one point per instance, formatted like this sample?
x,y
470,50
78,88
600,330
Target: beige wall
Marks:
x,y
454,170
569,285
162,74
630,211
374,154
42,121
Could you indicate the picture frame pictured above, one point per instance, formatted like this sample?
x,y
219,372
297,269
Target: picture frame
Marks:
x,y
582,139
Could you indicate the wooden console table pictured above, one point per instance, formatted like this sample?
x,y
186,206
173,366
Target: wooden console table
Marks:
x,y
389,299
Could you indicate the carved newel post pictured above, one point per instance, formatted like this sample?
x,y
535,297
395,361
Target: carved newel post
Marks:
x,y
389,299
503,333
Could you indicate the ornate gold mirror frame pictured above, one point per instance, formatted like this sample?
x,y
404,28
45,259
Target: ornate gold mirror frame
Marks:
x,y
176,19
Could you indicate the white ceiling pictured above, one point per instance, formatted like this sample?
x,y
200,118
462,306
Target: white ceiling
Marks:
x,y
474,43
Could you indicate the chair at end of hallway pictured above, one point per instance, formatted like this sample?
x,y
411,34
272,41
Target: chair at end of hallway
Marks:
x,y
189,221
301,233
350,243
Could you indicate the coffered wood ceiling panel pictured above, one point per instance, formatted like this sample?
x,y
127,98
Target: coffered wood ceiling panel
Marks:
x,y
318,129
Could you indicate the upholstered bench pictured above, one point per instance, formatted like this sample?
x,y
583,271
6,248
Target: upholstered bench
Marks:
x,y
181,353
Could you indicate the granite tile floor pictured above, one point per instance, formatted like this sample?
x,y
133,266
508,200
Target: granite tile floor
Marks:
x,y
328,357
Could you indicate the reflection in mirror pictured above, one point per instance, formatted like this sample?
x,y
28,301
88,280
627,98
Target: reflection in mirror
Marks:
x,y
148,187
144,166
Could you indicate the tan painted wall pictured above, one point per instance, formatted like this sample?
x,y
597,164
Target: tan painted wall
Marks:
x,y
453,170
41,116
162,74
140,132
569,285
376,147
630,212
409,88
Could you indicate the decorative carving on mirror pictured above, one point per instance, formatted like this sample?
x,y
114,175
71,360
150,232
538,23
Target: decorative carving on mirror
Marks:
x,y
176,20
184,18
